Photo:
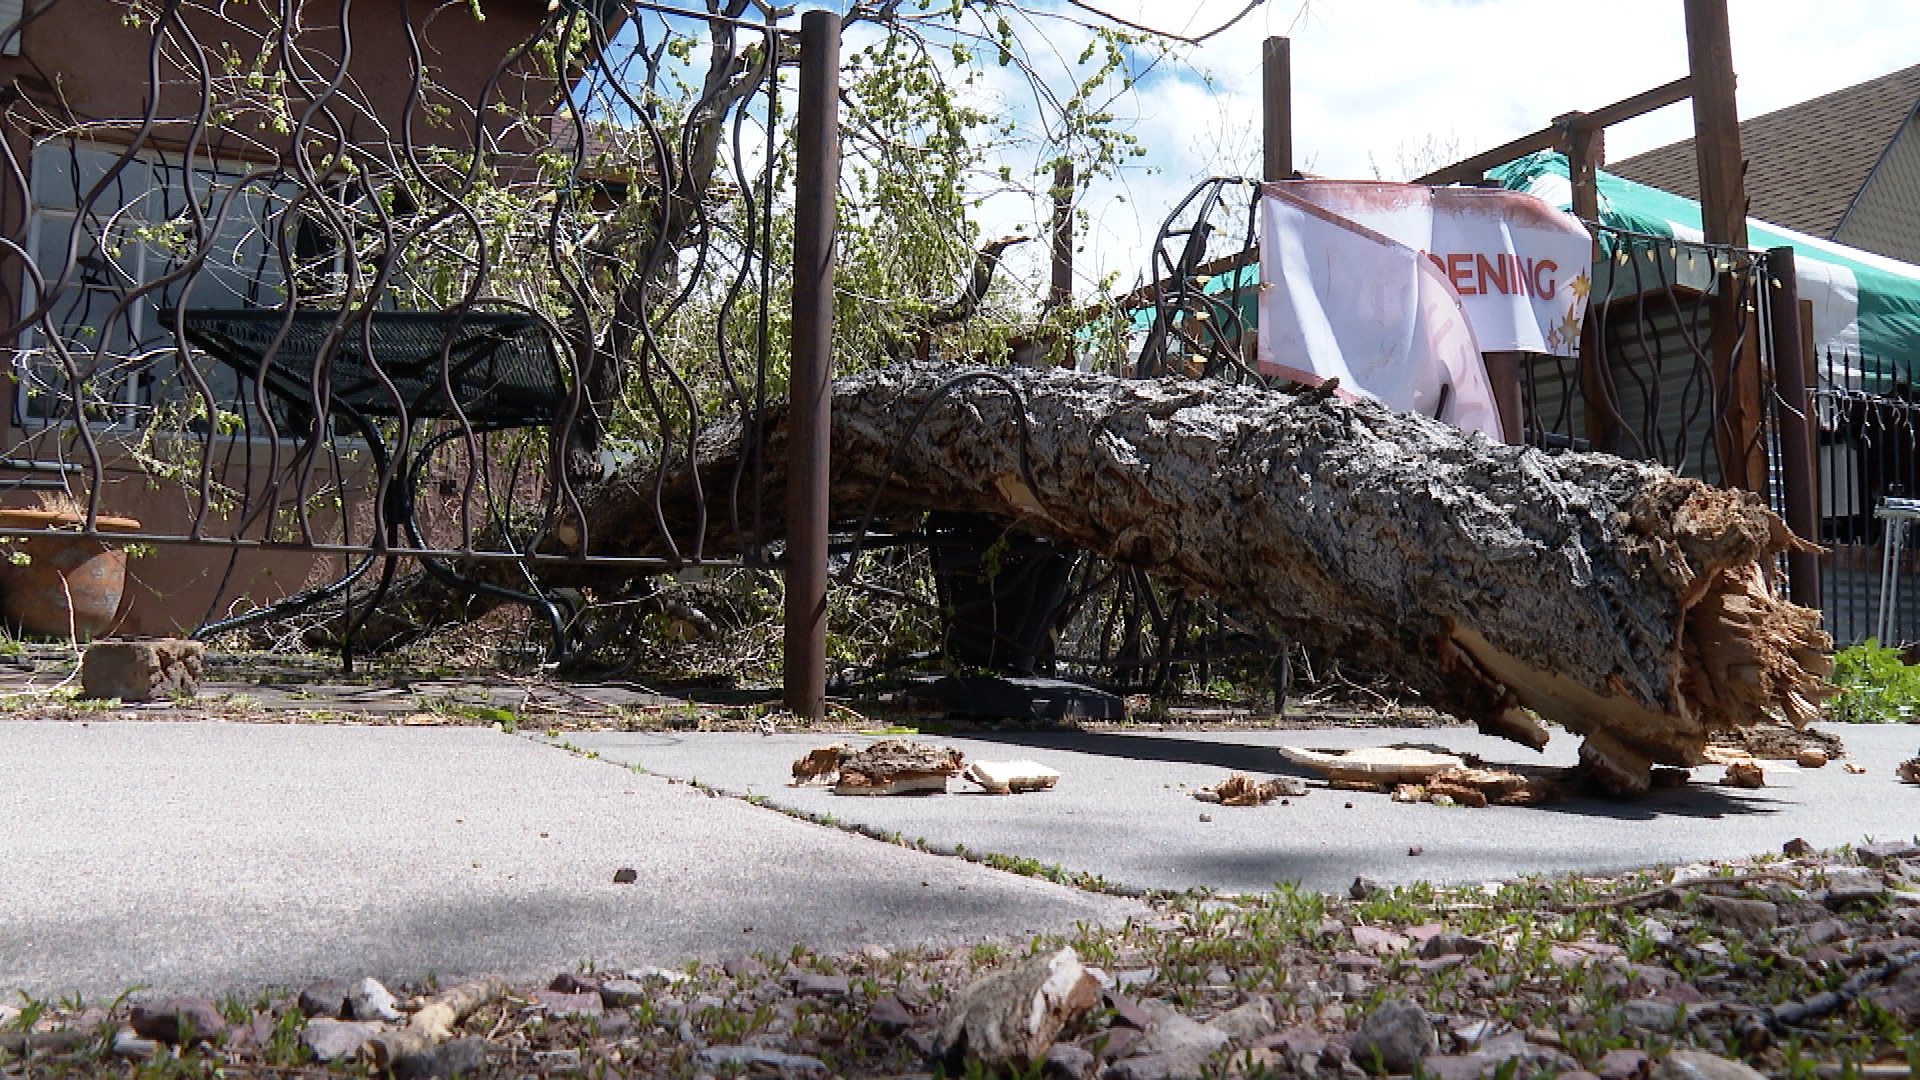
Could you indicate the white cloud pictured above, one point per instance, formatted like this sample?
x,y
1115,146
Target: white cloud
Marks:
x,y
1373,80
1378,84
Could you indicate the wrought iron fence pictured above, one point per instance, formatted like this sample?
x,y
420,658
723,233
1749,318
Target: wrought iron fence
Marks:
x,y
391,280
1868,421
1647,382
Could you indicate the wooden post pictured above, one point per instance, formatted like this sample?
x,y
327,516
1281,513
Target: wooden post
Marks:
x,y
1723,220
1060,291
1799,460
1598,417
1586,152
816,188
1276,108
1503,371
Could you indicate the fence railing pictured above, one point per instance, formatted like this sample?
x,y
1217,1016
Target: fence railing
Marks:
x,y
1647,382
394,279
1868,421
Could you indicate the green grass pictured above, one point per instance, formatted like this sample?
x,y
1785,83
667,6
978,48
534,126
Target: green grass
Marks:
x,y
1876,687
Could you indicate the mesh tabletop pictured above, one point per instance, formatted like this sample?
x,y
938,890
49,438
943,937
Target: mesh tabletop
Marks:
x,y
501,367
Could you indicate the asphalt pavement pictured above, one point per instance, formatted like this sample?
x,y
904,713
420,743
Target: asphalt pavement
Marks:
x,y
217,857
231,856
1124,808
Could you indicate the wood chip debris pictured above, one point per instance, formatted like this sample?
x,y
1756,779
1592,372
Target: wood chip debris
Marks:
x,y
1240,789
1373,768
1478,787
1010,777
887,767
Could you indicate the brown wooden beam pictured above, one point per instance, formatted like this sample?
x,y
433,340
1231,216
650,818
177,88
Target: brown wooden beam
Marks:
x,y
1716,124
1723,220
1276,108
1554,137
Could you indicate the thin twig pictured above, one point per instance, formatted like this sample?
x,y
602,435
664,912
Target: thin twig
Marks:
x,y
1640,898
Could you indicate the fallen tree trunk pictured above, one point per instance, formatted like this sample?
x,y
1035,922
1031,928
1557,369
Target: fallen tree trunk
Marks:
x,y
1497,582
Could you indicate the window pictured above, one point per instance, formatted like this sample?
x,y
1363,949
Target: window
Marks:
x,y
105,226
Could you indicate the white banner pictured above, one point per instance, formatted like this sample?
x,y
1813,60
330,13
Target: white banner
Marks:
x,y
1397,289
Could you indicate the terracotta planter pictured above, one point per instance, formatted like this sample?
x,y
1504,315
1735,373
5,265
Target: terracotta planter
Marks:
x,y
69,585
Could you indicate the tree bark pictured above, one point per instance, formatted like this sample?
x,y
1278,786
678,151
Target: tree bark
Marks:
x,y
1498,583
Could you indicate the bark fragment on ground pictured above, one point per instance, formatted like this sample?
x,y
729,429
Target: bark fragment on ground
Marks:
x,y
1243,790
1011,1017
887,767
1479,787
1500,584
1012,777
1373,768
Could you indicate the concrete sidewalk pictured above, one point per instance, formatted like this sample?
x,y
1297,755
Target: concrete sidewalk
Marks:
x,y
221,856
1124,808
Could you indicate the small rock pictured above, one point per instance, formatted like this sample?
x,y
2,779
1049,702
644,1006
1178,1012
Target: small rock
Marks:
x,y
1887,851
1353,985
744,967
747,1057
1885,950
327,999
1811,758
1379,940
1650,1014
1134,978
1116,1042
127,1043
1469,1035
1069,1062
623,993
1128,1011
890,1015
1796,848
1452,944
1742,913
569,1005
1355,962
1154,1067
1244,1024
257,1031
1175,1047
1363,886
1852,886
1012,1016
1625,1064
1456,1066
1823,932
557,1060
458,1058
570,983
1745,774
626,875
1173,1032
1290,786
811,984
1693,1065
333,1040
665,975
175,1020
368,1000
142,670
1395,1037
1901,998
